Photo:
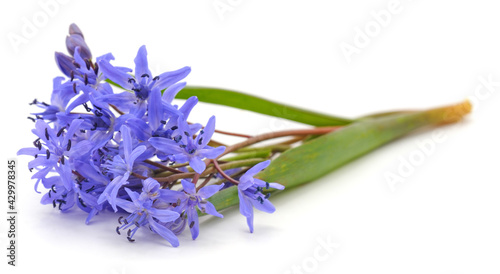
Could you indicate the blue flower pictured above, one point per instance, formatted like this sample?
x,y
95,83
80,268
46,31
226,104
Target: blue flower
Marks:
x,y
250,193
183,148
143,213
188,199
121,168
54,147
142,84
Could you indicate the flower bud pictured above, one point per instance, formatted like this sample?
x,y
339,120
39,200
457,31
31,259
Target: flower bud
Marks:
x,y
65,63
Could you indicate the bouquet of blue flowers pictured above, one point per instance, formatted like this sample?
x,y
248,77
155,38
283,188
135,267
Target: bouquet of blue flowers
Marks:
x,y
112,138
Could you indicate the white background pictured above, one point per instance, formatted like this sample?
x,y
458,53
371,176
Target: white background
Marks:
x,y
444,217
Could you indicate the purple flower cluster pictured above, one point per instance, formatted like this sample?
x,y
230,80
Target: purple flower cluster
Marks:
x,y
94,147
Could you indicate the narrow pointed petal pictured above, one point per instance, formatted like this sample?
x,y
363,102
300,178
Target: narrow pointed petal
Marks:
x,y
141,63
170,93
188,187
164,232
208,191
193,222
197,164
169,78
211,153
164,215
210,209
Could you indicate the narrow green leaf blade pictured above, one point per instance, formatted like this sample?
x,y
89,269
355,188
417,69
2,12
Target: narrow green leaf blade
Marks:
x,y
256,104
326,153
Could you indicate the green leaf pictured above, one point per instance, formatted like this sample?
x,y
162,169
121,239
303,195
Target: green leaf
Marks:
x,y
256,104
324,154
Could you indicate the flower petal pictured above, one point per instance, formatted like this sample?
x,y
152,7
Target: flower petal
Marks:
x,y
164,232
197,164
193,222
188,187
169,78
210,209
208,191
164,215
141,63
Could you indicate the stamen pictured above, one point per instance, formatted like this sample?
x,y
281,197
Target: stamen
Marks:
x,y
72,75
54,203
34,102
32,119
81,202
68,147
156,78
48,153
267,185
96,68
74,88
50,196
76,64
118,230
268,195
200,141
60,131
85,79
129,232
62,160
178,138
130,239
120,219
131,80
145,75
191,151
186,133
163,121
191,224
182,146
174,127
47,134
53,189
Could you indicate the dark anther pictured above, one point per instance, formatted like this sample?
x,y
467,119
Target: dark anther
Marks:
x,y
81,202
191,224
94,128
76,64
38,116
50,196
178,201
53,189
163,121
98,113
87,63
182,146
118,230
137,224
200,141
36,142
74,88
125,221
131,80
36,156
31,169
90,189
268,195
72,75
156,78
177,138
129,232
136,89
62,160
60,131
145,75
85,79
201,132
61,202
32,119
46,133
86,107
65,195
82,130
68,147
130,239
54,203
186,133
96,68
34,102
191,151
260,200
45,104
174,127
48,153
120,219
